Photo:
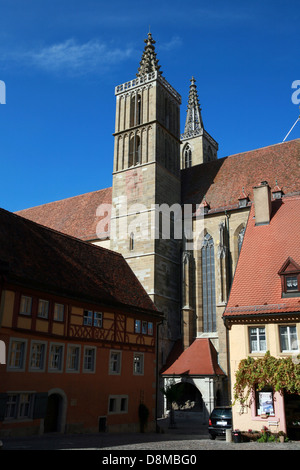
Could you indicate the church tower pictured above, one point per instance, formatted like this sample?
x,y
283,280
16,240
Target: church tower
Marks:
x,y
146,188
197,145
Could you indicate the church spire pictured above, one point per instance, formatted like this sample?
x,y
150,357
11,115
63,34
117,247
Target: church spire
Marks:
x,y
193,123
149,62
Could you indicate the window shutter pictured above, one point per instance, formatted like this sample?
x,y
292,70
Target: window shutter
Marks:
x,y
40,405
3,400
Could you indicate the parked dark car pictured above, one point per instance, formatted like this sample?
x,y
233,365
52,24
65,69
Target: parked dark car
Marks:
x,y
219,420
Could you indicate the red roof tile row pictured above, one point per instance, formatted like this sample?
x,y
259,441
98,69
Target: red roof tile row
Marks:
x,y
223,181
256,288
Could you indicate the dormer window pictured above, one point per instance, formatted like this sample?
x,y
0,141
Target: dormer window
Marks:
x,y
292,283
290,278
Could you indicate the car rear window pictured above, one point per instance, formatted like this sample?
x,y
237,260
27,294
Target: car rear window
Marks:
x,y
221,413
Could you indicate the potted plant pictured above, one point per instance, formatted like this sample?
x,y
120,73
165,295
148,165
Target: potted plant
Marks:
x,y
281,436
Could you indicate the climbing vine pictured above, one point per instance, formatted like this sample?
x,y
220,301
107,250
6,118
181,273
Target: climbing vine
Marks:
x,y
282,374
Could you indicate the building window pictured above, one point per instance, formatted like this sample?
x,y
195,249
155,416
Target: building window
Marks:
x,y
290,278
134,151
264,402
73,358
17,354
137,326
187,157
241,239
143,326
135,110
25,305
56,357
138,364
91,318
291,283
208,284
43,308
115,362
118,404
89,359
257,339
19,406
288,338
37,356
150,328
59,312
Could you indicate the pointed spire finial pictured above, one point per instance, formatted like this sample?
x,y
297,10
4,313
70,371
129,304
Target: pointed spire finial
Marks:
x,y
193,123
149,62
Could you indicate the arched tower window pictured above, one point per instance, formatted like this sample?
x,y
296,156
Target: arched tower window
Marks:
x,y
135,110
187,157
208,284
134,150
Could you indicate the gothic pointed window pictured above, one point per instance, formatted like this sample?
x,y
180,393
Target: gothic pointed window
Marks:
x,y
240,239
137,156
135,110
187,157
208,284
134,151
131,152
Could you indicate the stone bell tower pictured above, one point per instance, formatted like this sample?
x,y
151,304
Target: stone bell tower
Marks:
x,y
146,176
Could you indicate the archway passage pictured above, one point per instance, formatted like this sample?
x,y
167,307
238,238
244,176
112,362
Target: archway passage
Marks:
x,y
190,398
53,412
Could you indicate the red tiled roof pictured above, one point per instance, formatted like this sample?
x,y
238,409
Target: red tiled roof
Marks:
x,y
256,288
45,259
75,216
222,181
200,358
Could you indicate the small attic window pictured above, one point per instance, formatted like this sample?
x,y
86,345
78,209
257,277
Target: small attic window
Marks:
x,y
292,283
290,278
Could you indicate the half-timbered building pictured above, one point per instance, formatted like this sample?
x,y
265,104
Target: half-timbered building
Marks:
x,y
79,335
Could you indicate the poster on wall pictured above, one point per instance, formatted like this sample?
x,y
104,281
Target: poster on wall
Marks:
x,y
266,403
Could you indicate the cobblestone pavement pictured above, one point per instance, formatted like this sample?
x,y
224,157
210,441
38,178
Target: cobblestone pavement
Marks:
x,y
183,438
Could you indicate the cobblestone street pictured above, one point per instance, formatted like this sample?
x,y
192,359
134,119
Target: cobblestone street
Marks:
x,y
185,437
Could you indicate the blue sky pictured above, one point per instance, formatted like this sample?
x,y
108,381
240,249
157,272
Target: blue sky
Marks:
x,y
61,60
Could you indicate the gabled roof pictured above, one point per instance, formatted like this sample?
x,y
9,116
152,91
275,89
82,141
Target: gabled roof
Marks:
x,y
256,287
222,181
289,266
44,259
75,216
200,358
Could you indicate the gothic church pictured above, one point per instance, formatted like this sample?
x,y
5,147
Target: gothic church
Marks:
x,y
187,275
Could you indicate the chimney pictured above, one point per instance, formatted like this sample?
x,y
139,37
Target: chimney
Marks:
x,y
262,203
